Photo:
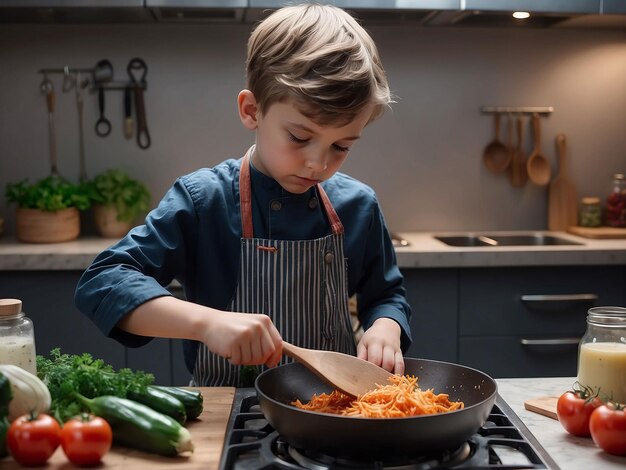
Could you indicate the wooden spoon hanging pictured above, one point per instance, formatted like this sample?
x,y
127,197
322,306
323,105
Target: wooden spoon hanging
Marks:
x,y
348,374
496,156
537,166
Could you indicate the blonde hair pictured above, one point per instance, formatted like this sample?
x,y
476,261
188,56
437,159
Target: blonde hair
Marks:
x,y
322,58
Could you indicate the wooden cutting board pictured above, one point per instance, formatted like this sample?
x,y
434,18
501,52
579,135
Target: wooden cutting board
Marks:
x,y
207,435
598,232
562,200
545,406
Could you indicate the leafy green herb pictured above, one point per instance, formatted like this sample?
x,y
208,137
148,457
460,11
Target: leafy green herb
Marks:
x,y
49,194
130,197
248,375
68,375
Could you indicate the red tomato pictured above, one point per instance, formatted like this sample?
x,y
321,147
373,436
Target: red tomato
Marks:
x,y
574,410
85,439
33,439
608,429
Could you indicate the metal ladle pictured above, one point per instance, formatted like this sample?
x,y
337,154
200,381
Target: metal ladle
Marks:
x,y
72,79
82,167
47,88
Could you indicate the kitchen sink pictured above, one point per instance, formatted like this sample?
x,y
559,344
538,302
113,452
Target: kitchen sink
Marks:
x,y
486,240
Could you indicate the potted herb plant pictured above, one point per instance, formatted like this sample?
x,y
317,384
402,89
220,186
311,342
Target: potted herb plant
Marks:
x,y
48,210
118,201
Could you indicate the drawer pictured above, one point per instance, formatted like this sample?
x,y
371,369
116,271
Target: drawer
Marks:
x,y
546,300
508,356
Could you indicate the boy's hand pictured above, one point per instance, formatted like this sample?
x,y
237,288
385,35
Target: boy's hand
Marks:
x,y
243,338
380,345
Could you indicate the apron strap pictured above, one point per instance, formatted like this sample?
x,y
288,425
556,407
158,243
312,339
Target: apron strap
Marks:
x,y
245,201
245,197
333,218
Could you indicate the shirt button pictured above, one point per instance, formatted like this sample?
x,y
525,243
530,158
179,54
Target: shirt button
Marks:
x,y
329,257
276,205
313,203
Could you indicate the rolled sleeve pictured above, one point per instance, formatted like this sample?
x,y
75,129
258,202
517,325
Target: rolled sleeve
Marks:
x,y
381,292
138,267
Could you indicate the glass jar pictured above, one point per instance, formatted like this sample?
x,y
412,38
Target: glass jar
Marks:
x,y
17,336
602,353
590,212
615,213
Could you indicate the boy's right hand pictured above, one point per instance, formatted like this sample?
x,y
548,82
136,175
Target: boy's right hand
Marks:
x,y
243,338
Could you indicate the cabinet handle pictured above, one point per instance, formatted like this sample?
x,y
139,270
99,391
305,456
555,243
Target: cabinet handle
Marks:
x,y
549,342
559,298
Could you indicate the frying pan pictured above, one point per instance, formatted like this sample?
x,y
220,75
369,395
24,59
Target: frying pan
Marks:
x,y
349,437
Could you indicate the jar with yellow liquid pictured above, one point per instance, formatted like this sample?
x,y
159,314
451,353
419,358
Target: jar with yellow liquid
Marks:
x,y
17,337
602,353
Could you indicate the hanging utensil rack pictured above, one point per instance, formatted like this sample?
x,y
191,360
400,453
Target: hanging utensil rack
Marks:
x,y
109,85
517,109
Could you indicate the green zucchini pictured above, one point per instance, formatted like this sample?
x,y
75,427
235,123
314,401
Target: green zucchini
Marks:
x,y
4,427
161,402
192,400
139,426
6,394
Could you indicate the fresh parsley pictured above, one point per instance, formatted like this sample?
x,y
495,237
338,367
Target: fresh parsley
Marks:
x,y
68,375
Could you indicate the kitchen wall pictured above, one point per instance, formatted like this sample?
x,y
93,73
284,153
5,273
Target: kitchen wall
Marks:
x,y
424,157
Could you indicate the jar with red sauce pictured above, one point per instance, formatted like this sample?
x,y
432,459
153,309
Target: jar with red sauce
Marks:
x,y
615,210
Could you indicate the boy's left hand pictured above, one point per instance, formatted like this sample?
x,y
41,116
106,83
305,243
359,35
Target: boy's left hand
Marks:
x,y
380,345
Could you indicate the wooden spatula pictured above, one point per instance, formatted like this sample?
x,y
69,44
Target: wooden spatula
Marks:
x,y
562,201
348,374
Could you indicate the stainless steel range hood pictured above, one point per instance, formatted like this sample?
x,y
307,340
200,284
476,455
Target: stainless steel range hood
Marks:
x,y
543,13
198,11
477,13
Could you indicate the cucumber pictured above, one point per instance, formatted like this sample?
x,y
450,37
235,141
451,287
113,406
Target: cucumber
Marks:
x,y
139,426
161,402
192,400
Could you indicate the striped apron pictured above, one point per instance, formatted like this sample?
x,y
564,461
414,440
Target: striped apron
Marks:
x,y
301,285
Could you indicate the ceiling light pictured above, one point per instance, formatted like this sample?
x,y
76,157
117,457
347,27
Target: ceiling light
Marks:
x,y
521,15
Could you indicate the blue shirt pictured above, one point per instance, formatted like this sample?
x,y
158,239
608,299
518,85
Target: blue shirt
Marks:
x,y
194,236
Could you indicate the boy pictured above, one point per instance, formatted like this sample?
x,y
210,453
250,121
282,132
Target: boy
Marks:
x,y
270,246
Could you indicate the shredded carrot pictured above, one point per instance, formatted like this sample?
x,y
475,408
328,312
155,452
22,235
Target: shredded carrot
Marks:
x,y
401,398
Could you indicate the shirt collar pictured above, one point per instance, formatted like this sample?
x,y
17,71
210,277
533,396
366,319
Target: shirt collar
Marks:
x,y
273,189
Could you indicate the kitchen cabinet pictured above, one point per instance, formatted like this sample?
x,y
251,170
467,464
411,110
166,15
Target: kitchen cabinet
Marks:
x,y
523,322
433,296
48,299
509,322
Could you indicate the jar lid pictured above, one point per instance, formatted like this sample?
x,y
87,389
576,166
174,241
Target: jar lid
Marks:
x,y
591,200
10,307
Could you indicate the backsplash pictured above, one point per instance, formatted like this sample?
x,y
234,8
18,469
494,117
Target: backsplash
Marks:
x,y
423,158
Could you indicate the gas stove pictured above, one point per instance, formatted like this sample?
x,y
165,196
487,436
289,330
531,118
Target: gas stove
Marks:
x,y
503,442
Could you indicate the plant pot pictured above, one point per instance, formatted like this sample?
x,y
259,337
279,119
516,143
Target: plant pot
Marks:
x,y
37,226
107,224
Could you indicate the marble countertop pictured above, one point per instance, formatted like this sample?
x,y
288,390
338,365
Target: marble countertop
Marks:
x,y
569,452
424,251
